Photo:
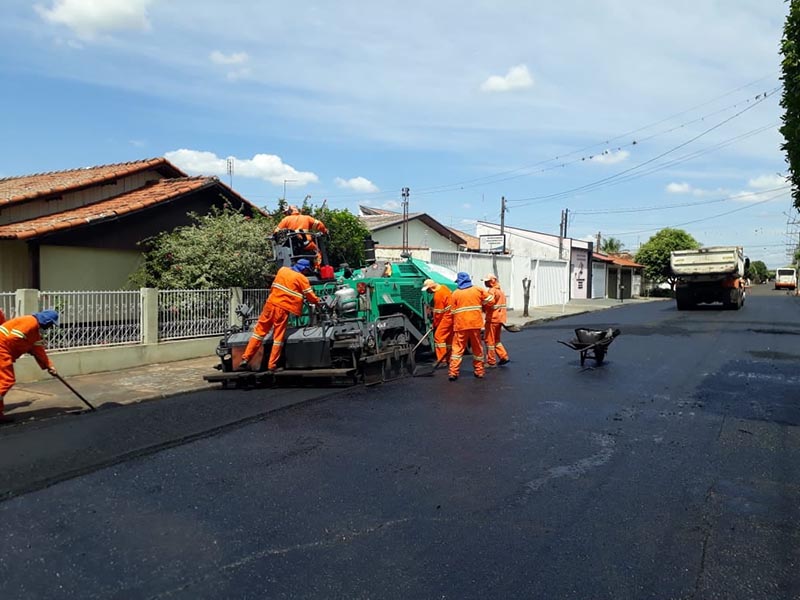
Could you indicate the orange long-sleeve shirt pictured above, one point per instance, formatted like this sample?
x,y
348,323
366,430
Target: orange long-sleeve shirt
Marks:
x,y
468,306
304,222
22,335
441,304
500,309
289,289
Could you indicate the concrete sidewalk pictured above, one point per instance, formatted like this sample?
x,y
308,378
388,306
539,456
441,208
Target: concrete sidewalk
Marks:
x,y
47,398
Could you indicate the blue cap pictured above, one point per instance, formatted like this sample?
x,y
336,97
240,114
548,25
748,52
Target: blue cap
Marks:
x,y
302,265
463,281
46,318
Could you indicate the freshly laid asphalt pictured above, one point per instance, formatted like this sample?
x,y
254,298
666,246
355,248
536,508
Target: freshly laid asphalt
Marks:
x,y
671,471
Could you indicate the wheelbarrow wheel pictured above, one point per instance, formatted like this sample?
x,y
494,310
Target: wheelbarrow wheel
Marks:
x,y
599,355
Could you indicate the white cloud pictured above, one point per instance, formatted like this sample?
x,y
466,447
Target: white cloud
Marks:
x,y
357,184
517,78
679,188
268,167
87,18
767,182
390,205
236,58
611,157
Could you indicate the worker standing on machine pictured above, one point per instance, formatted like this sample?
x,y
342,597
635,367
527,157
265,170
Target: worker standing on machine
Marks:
x,y
19,336
494,323
468,304
442,319
287,293
296,221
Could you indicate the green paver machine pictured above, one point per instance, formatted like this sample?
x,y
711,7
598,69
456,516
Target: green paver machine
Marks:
x,y
368,327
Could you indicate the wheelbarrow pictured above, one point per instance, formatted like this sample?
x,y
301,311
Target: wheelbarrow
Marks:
x,y
592,343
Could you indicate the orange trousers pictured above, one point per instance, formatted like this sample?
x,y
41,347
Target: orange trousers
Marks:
x,y
7,379
272,318
494,347
443,340
462,339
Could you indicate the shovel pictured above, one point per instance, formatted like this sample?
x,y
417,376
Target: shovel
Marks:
x,y
74,391
512,328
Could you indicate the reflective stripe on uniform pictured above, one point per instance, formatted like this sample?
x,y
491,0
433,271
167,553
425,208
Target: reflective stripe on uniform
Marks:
x,y
3,330
287,290
501,306
489,298
466,308
257,337
18,333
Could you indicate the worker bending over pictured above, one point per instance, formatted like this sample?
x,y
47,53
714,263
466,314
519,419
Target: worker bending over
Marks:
x,y
494,323
468,304
296,221
442,319
286,296
20,336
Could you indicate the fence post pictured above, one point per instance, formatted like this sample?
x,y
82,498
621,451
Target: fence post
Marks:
x,y
149,303
235,300
27,302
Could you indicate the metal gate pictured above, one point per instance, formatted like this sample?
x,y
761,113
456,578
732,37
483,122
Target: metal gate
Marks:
x,y
598,281
550,280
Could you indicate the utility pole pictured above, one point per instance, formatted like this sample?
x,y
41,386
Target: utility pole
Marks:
x,y
599,239
561,237
405,194
230,171
503,210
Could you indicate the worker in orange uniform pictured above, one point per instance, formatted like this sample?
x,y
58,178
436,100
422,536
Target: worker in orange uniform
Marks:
x,y
468,303
20,336
494,323
296,221
442,319
288,291
2,317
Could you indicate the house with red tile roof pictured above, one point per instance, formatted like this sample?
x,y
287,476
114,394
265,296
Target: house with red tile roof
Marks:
x,y
80,229
616,276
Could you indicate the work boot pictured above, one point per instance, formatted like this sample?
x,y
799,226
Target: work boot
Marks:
x,y
243,366
452,377
478,376
5,419
504,361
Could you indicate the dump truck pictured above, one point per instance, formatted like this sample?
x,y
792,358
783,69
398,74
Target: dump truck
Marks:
x,y
710,275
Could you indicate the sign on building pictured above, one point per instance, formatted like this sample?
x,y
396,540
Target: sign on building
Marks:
x,y
493,243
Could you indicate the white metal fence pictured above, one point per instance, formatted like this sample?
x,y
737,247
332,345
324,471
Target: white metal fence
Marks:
x,y
7,304
192,313
93,318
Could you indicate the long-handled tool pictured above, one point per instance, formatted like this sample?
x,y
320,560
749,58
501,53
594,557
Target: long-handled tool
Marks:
x,y
512,328
74,391
422,339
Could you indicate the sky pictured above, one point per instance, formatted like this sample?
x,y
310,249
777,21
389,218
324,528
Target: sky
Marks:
x,y
634,116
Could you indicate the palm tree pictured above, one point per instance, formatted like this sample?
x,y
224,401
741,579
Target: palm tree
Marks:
x,y
611,246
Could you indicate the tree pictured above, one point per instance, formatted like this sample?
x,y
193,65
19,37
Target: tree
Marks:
x,y
790,101
758,271
221,249
654,254
611,246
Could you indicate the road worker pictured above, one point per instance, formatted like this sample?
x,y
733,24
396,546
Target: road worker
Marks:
x,y
2,316
494,323
296,221
20,336
286,296
442,319
468,303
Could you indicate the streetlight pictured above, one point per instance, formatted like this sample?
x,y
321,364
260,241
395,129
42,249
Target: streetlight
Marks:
x,y
285,181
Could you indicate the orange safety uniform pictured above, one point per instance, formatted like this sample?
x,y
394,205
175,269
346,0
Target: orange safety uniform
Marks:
x,y
442,323
494,326
17,337
2,317
288,291
468,306
300,222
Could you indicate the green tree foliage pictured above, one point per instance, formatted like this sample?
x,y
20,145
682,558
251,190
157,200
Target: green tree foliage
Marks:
x,y
219,250
790,101
654,254
611,246
758,271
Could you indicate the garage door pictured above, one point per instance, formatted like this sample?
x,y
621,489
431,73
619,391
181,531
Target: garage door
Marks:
x,y
550,282
598,281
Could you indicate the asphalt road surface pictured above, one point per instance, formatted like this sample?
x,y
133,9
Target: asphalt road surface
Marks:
x,y
672,471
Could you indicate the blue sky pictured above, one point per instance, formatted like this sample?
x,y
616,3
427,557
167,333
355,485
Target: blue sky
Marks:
x,y
633,115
